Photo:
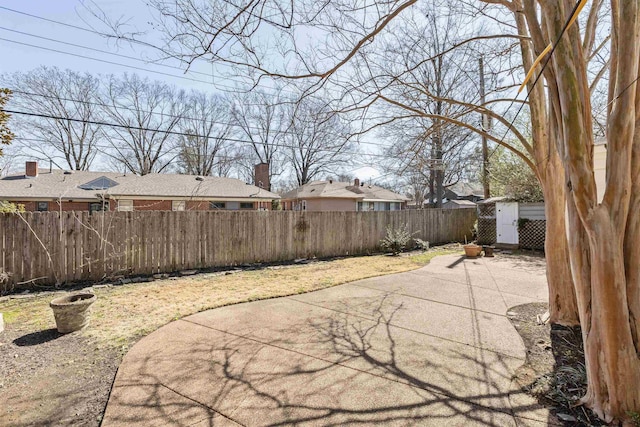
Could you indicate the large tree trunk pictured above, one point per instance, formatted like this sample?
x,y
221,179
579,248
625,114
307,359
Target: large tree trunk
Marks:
x,y
563,308
602,259
613,367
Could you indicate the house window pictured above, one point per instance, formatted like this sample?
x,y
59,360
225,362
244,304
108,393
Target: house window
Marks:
x,y
246,205
217,205
178,205
42,206
125,205
366,206
304,205
387,206
98,207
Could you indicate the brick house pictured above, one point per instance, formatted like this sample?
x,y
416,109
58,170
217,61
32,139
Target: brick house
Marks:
x,y
342,196
45,190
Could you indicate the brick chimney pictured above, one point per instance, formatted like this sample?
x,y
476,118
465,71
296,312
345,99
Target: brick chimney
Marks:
x,y
31,170
356,182
261,176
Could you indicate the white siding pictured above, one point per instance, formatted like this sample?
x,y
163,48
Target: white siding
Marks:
x,y
600,168
532,211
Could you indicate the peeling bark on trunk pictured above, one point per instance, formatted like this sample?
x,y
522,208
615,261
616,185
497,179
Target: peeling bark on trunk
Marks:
x,y
603,237
563,307
614,367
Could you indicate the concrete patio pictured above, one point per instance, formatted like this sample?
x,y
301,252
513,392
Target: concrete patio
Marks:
x,y
430,347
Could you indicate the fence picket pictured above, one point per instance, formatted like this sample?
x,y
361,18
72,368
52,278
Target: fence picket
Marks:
x,y
84,246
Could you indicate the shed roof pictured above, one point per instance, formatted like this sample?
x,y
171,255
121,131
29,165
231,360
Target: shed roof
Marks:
x,y
491,200
462,202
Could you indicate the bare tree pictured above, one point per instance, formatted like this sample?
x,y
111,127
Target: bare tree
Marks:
x,y
5,133
317,139
428,163
259,119
55,96
208,151
426,84
147,113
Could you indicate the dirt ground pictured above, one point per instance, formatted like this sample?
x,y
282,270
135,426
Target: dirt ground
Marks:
x,y
554,373
47,378
51,379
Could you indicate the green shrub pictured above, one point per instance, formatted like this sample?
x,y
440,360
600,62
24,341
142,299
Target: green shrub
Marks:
x,y
522,222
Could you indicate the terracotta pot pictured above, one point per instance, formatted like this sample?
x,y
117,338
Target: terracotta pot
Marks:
x,y
72,312
488,251
472,250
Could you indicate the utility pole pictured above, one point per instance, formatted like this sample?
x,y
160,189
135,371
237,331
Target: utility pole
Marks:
x,y
486,125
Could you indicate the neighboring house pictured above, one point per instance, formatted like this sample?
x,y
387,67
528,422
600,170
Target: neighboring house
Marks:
x,y
600,166
459,204
461,191
45,190
342,196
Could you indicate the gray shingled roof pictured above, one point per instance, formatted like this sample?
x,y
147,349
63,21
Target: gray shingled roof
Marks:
x,y
464,189
170,185
56,184
342,190
60,184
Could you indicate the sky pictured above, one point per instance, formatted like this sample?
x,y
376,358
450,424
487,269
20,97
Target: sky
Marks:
x,y
27,42
20,28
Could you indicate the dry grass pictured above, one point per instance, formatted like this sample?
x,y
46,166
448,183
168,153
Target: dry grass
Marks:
x,y
123,314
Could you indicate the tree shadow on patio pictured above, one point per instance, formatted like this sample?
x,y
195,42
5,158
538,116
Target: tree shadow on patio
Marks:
x,y
341,367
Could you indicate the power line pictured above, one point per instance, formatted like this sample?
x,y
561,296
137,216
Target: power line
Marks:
x,y
53,21
118,64
178,148
619,95
112,53
177,133
105,61
101,104
173,150
133,58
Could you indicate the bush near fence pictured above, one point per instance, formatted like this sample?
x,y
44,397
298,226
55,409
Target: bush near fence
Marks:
x,y
64,247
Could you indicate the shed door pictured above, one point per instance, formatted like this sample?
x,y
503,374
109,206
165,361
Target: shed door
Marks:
x,y
507,223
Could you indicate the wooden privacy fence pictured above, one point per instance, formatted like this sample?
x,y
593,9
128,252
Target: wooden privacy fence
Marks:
x,y
61,247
